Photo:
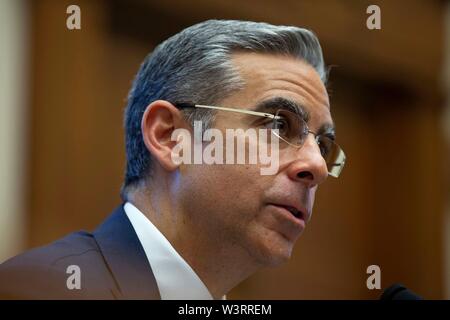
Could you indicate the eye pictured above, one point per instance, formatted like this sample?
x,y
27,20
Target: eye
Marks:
x,y
325,145
282,124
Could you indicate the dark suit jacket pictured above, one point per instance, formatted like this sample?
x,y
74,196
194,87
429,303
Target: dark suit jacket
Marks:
x,y
112,262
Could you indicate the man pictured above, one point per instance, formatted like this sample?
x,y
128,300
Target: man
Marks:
x,y
189,230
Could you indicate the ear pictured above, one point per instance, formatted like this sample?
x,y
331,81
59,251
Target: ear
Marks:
x,y
160,119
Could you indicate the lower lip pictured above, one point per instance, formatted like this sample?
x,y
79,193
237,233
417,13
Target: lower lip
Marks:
x,y
299,222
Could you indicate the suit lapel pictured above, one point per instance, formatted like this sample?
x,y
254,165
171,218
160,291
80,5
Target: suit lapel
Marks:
x,y
126,258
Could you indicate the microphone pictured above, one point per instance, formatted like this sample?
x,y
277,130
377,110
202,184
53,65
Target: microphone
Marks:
x,y
399,292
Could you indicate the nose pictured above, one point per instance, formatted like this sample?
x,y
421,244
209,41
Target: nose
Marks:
x,y
309,166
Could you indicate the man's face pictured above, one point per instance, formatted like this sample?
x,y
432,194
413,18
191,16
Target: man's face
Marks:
x,y
236,206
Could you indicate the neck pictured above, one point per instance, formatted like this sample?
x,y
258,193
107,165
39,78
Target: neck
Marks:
x,y
220,265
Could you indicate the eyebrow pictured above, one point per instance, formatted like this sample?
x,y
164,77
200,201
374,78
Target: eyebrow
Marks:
x,y
277,103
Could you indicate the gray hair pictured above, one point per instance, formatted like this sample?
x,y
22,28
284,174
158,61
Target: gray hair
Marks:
x,y
194,66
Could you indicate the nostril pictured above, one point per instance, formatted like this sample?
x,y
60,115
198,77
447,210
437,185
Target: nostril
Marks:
x,y
305,175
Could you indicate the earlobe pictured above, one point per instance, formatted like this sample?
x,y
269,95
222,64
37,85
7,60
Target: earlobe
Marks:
x,y
159,121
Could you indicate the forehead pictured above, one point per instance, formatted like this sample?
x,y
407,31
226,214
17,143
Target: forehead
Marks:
x,y
267,76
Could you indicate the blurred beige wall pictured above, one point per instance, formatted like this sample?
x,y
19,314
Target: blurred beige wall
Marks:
x,y
13,96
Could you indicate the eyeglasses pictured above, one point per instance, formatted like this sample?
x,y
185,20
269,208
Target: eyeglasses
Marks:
x,y
293,130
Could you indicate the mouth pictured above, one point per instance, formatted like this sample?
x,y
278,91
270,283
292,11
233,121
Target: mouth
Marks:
x,y
298,214
290,220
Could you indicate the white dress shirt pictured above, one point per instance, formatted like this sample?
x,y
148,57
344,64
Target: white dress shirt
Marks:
x,y
174,277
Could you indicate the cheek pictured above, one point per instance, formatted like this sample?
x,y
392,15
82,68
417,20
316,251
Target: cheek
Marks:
x,y
224,191
222,181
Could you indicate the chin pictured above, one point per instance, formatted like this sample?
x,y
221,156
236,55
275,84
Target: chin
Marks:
x,y
274,252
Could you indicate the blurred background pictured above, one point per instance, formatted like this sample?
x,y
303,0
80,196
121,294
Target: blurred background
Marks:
x,y
62,96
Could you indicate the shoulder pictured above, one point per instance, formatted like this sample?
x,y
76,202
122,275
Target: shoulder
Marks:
x,y
43,273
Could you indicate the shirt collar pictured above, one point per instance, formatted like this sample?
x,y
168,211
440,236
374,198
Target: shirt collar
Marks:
x,y
176,280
